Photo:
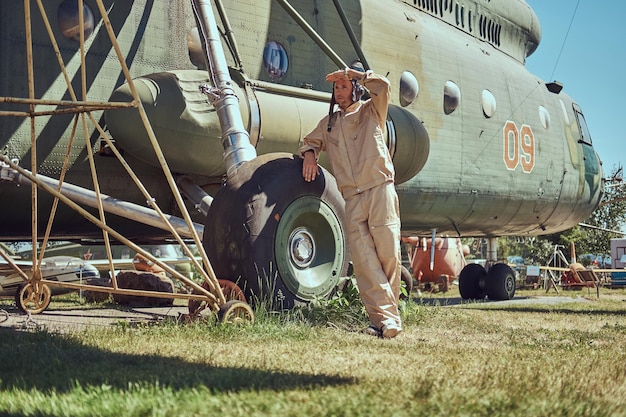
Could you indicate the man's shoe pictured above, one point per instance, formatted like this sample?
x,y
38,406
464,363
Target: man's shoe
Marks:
x,y
390,332
371,330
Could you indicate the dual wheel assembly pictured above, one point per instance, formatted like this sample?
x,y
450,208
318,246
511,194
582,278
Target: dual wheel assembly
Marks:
x,y
497,283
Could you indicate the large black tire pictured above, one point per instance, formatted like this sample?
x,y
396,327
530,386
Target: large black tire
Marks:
x,y
471,282
279,237
500,283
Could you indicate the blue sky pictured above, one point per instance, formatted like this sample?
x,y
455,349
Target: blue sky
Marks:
x,y
591,66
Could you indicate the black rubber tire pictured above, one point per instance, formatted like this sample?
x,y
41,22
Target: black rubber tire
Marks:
x,y
235,312
443,283
471,282
259,226
500,284
407,278
28,301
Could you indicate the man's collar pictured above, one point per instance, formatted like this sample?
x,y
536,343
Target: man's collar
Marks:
x,y
352,107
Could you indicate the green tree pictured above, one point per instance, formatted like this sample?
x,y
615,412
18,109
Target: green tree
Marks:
x,y
595,233
534,249
609,216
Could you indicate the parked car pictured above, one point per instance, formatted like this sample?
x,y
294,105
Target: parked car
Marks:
x,y
517,261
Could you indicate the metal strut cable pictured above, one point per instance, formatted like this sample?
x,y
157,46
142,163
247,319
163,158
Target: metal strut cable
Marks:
x,y
565,40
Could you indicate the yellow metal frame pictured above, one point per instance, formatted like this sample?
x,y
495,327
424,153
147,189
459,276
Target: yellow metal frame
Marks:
x,y
82,109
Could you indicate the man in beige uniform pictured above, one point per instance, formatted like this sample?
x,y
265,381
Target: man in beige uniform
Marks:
x,y
353,137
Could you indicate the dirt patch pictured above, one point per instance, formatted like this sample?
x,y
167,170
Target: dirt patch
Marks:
x,y
66,321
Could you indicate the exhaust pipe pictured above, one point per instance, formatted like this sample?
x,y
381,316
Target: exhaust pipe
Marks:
x,y
202,201
235,139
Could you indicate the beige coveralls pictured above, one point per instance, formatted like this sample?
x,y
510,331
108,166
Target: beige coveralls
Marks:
x,y
364,172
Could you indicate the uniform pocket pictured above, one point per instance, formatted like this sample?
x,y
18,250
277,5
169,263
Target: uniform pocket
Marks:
x,y
384,209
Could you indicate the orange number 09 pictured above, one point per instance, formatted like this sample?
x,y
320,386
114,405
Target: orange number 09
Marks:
x,y
519,147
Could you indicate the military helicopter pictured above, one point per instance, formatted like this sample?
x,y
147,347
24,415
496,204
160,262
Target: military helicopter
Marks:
x,y
226,90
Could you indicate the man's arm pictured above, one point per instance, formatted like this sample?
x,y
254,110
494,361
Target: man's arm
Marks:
x,y
310,169
380,93
377,85
313,144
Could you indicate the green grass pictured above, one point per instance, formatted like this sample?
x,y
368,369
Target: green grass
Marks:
x,y
475,359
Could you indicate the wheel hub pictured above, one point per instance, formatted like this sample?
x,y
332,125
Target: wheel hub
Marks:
x,y
510,284
301,247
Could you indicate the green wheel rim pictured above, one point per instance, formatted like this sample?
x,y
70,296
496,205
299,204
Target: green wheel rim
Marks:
x,y
309,248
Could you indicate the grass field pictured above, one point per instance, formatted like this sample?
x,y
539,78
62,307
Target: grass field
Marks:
x,y
474,359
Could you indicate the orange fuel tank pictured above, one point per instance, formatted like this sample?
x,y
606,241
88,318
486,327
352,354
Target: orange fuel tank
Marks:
x,y
446,265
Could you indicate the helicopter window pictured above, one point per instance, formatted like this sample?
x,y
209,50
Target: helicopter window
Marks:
x,y
565,115
451,97
409,88
585,136
275,60
489,103
544,117
67,18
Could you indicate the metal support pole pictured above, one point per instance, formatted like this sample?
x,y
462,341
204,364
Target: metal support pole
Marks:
x,y
84,196
492,250
312,33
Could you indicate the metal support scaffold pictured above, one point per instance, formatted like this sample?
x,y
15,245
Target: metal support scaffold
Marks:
x,y
207,294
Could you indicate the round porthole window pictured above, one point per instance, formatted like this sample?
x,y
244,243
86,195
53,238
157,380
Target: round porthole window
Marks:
x,y
488,103
275,60
69,23
409,88
544,117
451,97
564,110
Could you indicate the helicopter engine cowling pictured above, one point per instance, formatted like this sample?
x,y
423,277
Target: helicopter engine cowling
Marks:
x,y
188,130
408,143
184,123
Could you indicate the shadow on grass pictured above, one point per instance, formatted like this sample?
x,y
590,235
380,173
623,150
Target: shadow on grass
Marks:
x,y
439,301
52,362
